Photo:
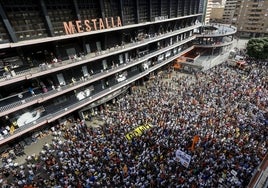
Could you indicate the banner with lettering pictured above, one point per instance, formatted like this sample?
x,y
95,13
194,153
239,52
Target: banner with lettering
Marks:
x,y
137,131
183,157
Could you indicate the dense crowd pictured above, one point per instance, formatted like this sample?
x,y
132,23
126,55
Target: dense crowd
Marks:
x,y
225,108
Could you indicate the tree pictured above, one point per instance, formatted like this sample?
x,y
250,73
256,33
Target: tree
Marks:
x,y
258,48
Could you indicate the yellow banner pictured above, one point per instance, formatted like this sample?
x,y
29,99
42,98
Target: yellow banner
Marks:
x,y
137,131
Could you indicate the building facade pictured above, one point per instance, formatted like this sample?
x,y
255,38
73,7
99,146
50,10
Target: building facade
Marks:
x,y
251,17
65,56
208,11
229,11
220,2
217,13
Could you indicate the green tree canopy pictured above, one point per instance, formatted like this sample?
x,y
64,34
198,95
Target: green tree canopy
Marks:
x,y
258,48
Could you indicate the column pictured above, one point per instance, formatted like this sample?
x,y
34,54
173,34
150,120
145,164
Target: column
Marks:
x,y
7,24
47,19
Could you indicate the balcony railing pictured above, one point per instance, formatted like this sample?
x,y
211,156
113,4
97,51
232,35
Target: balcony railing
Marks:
x,y
260,176
57,38
46,69
20,104
222,30
78,105
221,44
106,98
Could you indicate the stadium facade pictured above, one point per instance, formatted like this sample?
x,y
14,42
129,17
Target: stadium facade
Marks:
x,y
65,56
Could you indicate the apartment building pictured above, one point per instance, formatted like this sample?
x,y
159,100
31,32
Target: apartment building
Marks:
x,y
208,11
229,11
217,11
220,2
251,17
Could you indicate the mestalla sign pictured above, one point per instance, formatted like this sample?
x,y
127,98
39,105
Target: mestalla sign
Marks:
x,y
80,26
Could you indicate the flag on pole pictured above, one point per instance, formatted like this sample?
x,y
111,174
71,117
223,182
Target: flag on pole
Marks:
x,y
195,140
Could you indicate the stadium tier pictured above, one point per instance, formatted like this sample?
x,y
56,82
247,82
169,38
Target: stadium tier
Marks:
x,y
58,57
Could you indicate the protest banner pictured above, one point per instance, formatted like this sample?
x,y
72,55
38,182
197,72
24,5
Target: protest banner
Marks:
x,y
183,157
137,131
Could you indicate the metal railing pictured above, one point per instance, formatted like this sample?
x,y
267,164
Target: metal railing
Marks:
x,y
4,110
260,176
79,104
46,69
230,30
63,37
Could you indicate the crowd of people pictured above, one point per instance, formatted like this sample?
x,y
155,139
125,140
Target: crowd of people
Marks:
x,y
225,109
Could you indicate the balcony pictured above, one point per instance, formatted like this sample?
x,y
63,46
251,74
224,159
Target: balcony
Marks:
x,y
25,102
57,38
106,98
214,45
58,113
218,30
47,69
